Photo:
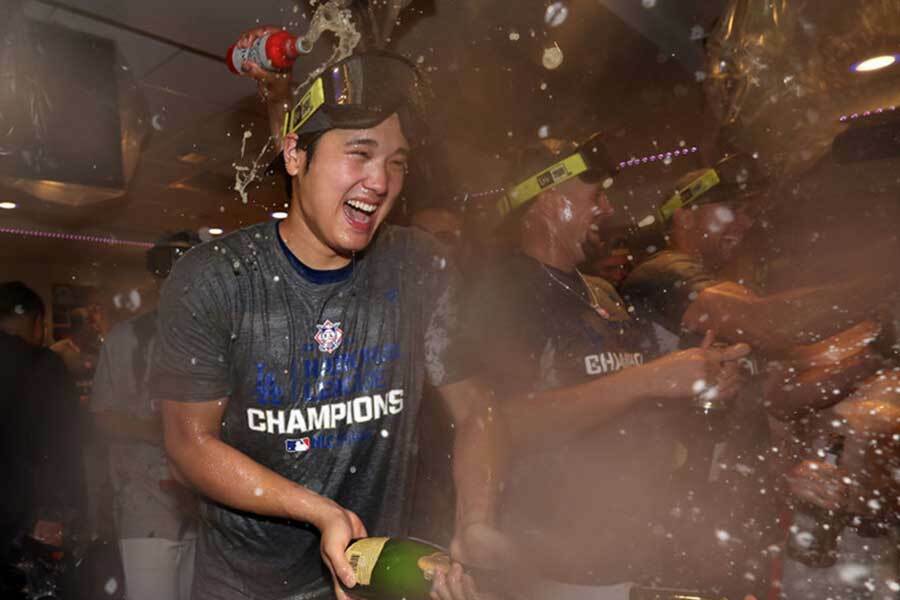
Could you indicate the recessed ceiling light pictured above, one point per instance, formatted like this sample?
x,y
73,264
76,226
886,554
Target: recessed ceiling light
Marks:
x,y
192,158
8,205
875,63
215,231
279,215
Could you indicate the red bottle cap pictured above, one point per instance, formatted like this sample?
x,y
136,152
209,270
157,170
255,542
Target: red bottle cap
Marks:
x,y
281,50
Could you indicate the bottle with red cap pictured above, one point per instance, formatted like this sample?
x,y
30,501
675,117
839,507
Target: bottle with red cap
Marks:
x,y
274,51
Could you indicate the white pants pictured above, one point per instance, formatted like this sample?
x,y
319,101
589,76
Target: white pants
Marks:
x,y
158,569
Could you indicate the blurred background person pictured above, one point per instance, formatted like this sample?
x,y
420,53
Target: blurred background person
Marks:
x,y
40,440
706,220
685,290
154,514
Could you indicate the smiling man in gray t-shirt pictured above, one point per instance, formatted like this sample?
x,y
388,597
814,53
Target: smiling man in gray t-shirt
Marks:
x,y
291,358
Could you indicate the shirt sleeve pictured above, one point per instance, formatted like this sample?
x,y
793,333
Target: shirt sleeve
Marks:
x,y
665,287
444,358
192,352
503,327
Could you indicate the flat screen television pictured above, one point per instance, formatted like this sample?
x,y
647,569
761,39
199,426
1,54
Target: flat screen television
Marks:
x,y
60,107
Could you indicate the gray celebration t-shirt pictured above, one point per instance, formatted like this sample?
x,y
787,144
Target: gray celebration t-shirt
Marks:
x,y
324,383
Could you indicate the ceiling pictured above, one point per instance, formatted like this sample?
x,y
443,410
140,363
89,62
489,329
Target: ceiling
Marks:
x,y
630,68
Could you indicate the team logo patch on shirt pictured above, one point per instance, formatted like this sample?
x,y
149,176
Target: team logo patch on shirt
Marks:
x,y
329,336
298,445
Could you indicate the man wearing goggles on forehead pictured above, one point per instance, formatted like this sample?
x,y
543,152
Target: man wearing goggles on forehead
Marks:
x,y
292,357
706,220
578,390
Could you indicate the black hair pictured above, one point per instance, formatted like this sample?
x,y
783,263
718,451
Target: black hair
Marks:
x,y
17,299
307,143
168,249
185,237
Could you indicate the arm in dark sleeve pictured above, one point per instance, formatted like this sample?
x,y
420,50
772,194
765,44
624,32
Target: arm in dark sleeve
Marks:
x,y
666,285
58,473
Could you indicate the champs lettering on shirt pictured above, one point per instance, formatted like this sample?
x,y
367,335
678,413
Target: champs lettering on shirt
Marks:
x,y
361,410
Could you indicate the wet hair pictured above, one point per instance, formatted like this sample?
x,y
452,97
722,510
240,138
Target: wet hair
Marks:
x,y
17,299
167,250
308,144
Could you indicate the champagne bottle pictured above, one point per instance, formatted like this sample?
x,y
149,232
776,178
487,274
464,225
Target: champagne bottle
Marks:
x,y
394,568
814,532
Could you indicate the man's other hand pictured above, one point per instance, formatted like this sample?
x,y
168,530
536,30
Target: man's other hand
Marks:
x,y
338,527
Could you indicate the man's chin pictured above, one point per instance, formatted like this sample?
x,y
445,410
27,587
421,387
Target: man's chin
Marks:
x,y
354,241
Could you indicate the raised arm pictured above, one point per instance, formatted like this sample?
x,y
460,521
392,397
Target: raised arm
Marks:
x,y
274,88
561,414
776,322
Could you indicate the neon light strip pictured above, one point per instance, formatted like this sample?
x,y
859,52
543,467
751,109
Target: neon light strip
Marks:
x,y
74,237
868,113
651,158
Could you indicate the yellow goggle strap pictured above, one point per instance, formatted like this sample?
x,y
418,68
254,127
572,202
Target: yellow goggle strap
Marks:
x,y
689,193
311,101
557,173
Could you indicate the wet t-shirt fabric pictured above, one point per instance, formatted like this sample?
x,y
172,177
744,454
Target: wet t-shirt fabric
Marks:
x,y
665,285
719,497
323,382
585,507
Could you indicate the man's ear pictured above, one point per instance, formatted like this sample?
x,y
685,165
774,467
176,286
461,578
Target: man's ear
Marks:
x,y
294,157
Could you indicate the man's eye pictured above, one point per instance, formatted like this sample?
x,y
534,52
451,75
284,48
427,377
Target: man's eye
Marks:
x,y
361,153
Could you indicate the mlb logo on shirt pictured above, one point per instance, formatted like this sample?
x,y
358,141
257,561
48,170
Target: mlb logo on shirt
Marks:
x,y
301,445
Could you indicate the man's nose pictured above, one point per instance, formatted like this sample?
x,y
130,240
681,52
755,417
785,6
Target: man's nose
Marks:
x,y
376,179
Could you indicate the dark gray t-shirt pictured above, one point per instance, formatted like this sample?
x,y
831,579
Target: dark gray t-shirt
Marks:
x,y
586,507
324,384
665,285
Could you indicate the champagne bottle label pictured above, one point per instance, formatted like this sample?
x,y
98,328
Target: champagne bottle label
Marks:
x,y
363,555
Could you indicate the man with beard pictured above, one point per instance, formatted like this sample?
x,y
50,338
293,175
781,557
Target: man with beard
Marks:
x,y
291,358
583,403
